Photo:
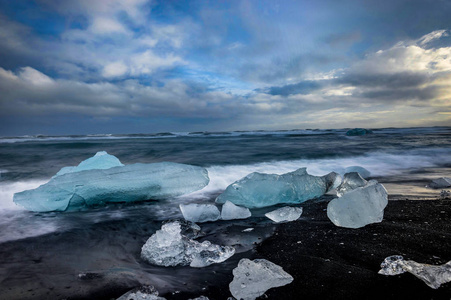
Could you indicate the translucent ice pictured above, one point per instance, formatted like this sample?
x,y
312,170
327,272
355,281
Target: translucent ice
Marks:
x,y
358,131
169,247
231,211
147,292
252,279
439,183
285,214
261,190
200,213
361,170
433,276
359,207
130,183
101,160
351,181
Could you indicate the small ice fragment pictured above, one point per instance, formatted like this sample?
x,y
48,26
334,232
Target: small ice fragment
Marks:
x,y
358,131
231,211
285,214
257,277
351,181
262,190
168,247
440,183
359,207
445,194
200,298
146,292
101,160
432,275
361,170
247,229
200,213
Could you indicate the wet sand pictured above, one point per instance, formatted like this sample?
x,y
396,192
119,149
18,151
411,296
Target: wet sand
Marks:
x,y
327,262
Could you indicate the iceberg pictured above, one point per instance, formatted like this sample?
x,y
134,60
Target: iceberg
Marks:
x,y
231,211
146,292
169,247
100,161
252,279
351,181
359,207
261,190
361,170
130,183
285,214
200,213
439,183
432,275
358,131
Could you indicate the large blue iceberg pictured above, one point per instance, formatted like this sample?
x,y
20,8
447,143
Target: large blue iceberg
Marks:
x,y
358,131
130,183
261,190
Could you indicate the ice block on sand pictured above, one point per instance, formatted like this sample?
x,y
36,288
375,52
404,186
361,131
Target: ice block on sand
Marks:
x,y
251,279
359,207
231,211
200,213
169,247
261,190
130,183
433,276
285,214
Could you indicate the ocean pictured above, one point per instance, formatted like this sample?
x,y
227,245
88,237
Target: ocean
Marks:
x,y
44,255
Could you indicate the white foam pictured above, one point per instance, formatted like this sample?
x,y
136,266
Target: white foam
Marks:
x,y
8,189
379,164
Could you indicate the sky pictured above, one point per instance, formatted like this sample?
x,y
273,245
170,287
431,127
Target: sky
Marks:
x,y
139,66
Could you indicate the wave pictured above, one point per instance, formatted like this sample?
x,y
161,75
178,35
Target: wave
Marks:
x,y
43,138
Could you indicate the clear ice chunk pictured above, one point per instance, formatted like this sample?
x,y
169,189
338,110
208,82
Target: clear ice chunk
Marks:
x,y
252,279
200,213
261,190
130,183
432,275
200,298
351,181
169,247
285,214
102,160
359,207
231,211
361,170
146,292
440,183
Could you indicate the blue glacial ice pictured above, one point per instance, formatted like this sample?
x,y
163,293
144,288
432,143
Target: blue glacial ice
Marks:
x,y
102,160
231,211
359,207
200,213
358,131
252,278
169,247
434,276
130,183
261,190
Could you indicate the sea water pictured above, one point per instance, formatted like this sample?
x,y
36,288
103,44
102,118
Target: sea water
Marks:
x,y
46,253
